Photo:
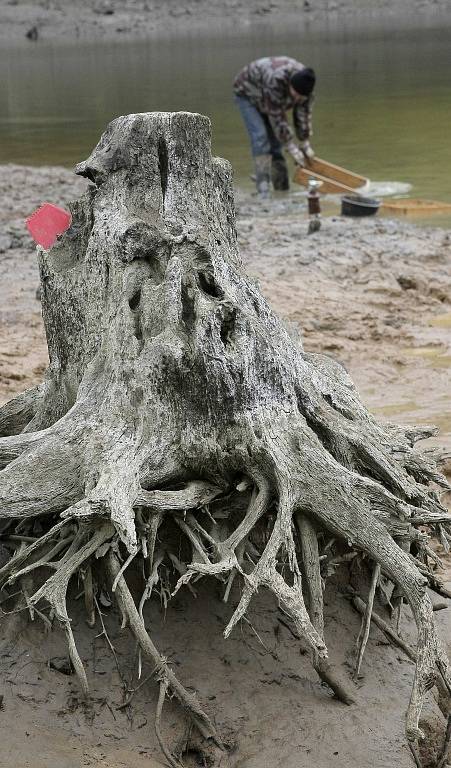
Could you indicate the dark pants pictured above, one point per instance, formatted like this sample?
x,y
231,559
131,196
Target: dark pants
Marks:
x,y
264,142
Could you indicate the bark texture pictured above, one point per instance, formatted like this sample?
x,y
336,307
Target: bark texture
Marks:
x,y
179,422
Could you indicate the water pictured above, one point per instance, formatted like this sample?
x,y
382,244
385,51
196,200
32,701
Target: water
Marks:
x,y
383,100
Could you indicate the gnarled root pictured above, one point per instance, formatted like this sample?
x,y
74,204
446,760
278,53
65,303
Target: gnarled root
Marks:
x,y
312,570
366,621
18,412
162,670
286,560
55,588
371,536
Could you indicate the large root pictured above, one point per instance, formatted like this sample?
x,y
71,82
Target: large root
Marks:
x,y
180,427
18,412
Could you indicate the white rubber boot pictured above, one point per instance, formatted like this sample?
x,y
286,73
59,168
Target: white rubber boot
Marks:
x,y
263,176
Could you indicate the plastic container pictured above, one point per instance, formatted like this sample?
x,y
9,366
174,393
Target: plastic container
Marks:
x,y
356,205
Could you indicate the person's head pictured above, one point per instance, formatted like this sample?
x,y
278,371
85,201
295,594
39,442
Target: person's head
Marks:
x,y
302,83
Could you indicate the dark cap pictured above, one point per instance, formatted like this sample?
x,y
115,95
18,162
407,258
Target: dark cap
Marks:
x,y
303,81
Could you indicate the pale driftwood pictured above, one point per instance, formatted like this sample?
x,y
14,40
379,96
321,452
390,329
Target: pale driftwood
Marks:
x,y
15,415
193,496
445,749
366,620
440,606
393,636
164,685
311,567
175,395
89,597
162,670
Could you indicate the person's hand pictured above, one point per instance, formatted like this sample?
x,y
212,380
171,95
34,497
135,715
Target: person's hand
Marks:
x,y
308,150
297,156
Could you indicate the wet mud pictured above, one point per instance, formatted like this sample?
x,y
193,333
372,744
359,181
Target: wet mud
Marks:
x,y
374,294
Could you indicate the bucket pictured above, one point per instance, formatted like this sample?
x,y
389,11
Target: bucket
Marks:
x,y
356,205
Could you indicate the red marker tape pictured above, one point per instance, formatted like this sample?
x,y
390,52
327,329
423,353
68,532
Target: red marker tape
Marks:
x,y
45,224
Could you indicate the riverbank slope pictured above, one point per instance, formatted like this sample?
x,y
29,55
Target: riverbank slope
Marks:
x,y
138,19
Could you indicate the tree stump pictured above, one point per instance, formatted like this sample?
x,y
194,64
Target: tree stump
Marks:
x,y
178,415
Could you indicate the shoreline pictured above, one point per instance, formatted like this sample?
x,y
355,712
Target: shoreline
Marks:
x,y
107,20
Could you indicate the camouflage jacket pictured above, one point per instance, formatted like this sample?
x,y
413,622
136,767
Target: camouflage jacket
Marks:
x,y
265,82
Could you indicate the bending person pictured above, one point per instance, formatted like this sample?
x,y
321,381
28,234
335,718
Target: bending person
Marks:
x,y
264,90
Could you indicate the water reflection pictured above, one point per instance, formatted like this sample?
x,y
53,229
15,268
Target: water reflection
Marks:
x,y
383,105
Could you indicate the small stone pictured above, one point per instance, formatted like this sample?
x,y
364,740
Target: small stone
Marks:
x,y
61,664
104,9
32,34
407,283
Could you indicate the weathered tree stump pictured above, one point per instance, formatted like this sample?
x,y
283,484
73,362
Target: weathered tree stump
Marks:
x,y
178,415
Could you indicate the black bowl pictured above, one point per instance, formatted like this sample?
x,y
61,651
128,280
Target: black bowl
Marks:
x,y
356,205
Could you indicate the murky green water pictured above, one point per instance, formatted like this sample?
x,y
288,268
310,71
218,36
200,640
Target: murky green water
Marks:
x,y
383,101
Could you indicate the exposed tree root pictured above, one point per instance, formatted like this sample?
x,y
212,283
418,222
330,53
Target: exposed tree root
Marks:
x,y
55,588
18,412
366,621
446,742
162,670
104,634
312,570
415,755
385,627
164,685
89,597
180,429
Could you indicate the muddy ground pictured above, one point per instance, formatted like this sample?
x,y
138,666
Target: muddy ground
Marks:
x,y
116,19
375,294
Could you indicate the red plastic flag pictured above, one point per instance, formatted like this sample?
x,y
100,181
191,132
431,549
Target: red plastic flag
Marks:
x,y
45,224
